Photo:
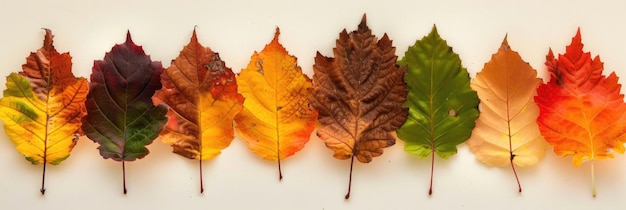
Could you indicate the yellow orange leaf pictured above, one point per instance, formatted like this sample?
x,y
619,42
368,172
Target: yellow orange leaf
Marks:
x,y
43,105
506,132
201,93
276,120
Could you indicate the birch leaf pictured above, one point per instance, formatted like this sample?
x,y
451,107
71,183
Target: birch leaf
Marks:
x,y
276,121
581,112
442,106
201,93
120,115
506,132
359,95
43,105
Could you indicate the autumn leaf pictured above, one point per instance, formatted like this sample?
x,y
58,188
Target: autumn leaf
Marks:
x,y
581,111
201,93
42,107
506,131
120,114
359,96
442,107
276,120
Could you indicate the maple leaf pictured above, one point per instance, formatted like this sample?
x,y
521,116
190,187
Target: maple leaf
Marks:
x,y
442,106
581,111
359,96
120,114
506,131
42,107
276,121
201,93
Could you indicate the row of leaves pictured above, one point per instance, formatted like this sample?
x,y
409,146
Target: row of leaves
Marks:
x,y
360,98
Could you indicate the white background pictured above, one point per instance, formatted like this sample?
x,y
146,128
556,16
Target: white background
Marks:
x,y
237,179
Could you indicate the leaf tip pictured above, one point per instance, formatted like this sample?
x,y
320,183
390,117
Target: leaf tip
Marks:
x,y
130,44
576,44
434,29
128,38
505,43
194,36
276,35
363,24
48,39
577,38
275,45
434,33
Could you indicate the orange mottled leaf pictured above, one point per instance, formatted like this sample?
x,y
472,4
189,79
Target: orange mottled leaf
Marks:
x,y
581,112
201,93
43,105
276,121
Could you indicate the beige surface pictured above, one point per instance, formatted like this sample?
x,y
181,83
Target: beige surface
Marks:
x,y
237,179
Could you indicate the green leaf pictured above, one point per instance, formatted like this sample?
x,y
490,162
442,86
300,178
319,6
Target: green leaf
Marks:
x,y
442,106
120,114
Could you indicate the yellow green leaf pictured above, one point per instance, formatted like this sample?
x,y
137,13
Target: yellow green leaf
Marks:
x,y
43,105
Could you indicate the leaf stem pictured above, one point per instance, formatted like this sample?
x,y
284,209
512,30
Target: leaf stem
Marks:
x,y
280,172
124,177
519,186
432,171
43,179
593,180
201,182
350,180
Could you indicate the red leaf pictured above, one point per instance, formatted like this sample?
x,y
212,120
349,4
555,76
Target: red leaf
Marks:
x,y
582,112
120,115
